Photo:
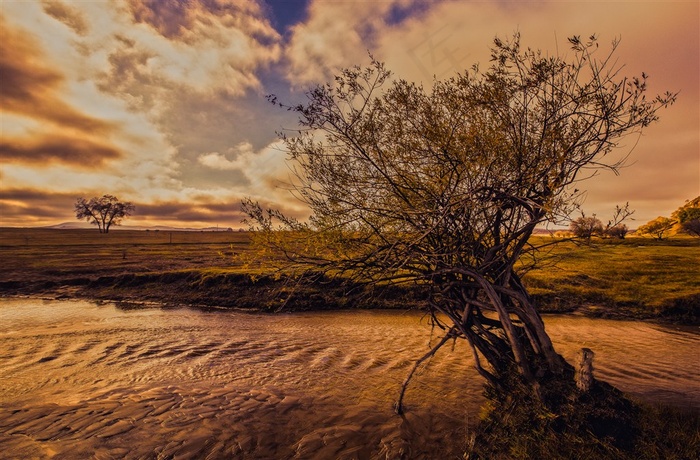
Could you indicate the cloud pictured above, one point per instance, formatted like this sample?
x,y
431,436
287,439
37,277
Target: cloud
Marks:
x,y
28,206
32,206
68,15
339,34
209,44
161,102
43,149
170,18
333,37
46,207
172,93
215,160
265,170
192,69
204,20
31,88
134,76
203,212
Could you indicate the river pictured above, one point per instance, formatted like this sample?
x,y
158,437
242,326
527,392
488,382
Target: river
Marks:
x,y
86,380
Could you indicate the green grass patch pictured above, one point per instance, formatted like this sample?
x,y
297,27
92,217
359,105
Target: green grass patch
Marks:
x,y
636,277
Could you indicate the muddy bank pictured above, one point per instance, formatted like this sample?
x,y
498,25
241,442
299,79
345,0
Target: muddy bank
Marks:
x,y
228,290
679,310
272,293
87,380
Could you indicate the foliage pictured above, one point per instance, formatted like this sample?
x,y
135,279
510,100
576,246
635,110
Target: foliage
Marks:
x,y
444,187
688,216
691,227
616,231
659,228
586,227
104,211
689,210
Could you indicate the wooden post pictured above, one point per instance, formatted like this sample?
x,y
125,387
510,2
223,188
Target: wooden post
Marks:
x,y
584,369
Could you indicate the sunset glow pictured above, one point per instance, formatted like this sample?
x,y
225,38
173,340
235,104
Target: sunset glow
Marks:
x,y
163,103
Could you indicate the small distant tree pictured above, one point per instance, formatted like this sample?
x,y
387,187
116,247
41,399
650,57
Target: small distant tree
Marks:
x,y
586,227
616,231
689,218
615,228
660,228
692,227
686,214
104,211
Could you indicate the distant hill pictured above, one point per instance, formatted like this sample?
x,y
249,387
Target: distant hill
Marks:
x,y
165,228
162,228
70,225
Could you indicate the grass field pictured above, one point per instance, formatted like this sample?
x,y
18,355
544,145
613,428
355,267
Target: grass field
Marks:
x,y
88,252
636,277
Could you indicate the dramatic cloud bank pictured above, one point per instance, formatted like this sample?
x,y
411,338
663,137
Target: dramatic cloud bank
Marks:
x,y
163,103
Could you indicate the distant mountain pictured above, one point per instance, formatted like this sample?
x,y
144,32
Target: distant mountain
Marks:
x,y
180,229
161,228
70,225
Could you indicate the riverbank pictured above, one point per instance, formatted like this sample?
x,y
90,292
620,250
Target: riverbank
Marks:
x,y
635,279
207,288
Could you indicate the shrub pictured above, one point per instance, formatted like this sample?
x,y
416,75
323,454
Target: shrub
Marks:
x,y
616,231
586,227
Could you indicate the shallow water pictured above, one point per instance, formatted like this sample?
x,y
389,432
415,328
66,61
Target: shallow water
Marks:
x,y
81,380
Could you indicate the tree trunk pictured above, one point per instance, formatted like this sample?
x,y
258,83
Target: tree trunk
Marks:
x,y
584,369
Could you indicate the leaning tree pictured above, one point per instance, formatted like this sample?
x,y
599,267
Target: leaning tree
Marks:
x,y
103,211
444,187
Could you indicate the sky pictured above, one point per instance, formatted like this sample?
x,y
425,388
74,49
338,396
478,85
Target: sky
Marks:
x,y
162,103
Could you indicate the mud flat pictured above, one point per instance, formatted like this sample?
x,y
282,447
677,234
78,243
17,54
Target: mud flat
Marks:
x,y
86,380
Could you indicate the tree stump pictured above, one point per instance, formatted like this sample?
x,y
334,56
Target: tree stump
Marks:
x,y
584,369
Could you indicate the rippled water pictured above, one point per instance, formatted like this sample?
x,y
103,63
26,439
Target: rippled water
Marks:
x,y
80,380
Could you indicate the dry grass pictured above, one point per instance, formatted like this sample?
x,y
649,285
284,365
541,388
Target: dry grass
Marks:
x,y
48,253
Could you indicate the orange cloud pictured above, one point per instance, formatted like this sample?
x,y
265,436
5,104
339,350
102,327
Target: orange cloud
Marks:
x,y
66,14
29,206
191,212
48,148
194,20
31,88
129,76
202,209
